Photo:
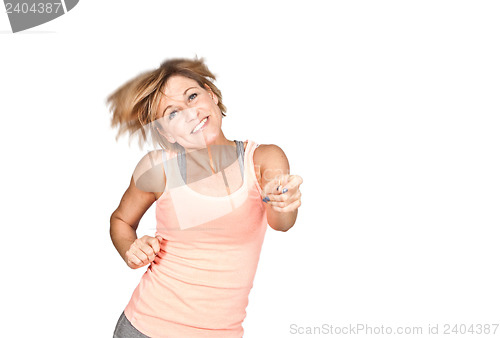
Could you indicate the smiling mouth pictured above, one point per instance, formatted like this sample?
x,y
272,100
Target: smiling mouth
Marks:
x,y
200,125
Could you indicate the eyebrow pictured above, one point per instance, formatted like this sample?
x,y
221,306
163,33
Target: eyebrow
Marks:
x,y
163,114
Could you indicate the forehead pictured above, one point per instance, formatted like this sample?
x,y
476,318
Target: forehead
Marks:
x,y
177,84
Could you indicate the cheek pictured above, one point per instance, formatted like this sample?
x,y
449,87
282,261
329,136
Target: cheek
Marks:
x,y
207,102
169,128
176,129
181,129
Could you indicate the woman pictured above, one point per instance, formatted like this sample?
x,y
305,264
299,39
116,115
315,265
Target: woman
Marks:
x,y
214,199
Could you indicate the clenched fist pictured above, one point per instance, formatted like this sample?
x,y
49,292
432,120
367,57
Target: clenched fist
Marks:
x,y
283,193
143,251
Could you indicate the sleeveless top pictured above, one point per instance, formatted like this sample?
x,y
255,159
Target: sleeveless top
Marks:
x,y
198,284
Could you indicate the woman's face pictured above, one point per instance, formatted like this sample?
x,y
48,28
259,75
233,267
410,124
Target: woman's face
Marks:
x,y
188,114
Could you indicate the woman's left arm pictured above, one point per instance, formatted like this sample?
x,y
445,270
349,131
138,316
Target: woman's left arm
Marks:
x,y
280,190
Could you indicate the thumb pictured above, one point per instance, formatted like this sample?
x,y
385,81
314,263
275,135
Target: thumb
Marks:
x,y
159,238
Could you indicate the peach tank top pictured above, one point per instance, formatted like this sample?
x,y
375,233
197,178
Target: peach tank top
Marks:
x,y
199,283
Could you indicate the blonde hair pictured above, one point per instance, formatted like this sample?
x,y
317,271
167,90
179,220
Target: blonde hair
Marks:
x,y
134,105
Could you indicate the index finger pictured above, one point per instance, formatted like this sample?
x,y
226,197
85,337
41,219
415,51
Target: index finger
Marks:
x,y
292,182
154,242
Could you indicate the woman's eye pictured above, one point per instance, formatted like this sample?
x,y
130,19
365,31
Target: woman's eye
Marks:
x,y
172,114
192,96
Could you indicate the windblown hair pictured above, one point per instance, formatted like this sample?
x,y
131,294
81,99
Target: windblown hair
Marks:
x,y
134,105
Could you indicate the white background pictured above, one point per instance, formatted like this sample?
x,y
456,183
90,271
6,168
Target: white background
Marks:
x,y
389,110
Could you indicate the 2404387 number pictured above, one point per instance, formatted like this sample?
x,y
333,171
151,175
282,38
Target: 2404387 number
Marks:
x,y
40,7
470,329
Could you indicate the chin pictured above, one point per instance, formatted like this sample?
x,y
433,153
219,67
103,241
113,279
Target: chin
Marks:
x,y
202,140
210,137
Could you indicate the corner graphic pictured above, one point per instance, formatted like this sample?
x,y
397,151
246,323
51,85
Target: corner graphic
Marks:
x,y
26,14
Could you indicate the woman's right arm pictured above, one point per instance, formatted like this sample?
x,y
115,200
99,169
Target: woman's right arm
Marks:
x,y
125,220
147,180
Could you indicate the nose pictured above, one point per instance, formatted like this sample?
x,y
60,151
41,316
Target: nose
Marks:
x,y
191,114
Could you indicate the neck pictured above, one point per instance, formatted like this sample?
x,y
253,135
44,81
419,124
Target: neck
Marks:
x,y
220,140
211,159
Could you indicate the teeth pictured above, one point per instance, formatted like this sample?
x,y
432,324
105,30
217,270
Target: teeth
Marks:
x,y
201,124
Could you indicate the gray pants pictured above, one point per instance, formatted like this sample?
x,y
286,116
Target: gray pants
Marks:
x,y
125,329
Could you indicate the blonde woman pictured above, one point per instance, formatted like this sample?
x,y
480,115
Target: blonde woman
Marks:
x,y
214,199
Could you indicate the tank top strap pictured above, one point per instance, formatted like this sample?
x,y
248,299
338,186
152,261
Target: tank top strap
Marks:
x,y
240,150
175,176
181,161
164,158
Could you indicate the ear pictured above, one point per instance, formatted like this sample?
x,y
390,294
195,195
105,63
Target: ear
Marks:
x,y
212,95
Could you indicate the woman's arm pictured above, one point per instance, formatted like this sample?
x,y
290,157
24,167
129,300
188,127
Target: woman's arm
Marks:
x,y
275,176
146,182
125,219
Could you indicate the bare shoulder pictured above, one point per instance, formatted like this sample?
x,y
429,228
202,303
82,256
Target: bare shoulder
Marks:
x,y
270,156
151,160
149,175
152,157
